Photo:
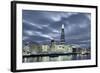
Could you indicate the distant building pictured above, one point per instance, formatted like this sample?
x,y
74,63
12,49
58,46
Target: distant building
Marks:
x,y
45,48
59,48
35,48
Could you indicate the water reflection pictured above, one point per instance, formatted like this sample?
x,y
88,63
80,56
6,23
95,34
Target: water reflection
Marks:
x,y
57,58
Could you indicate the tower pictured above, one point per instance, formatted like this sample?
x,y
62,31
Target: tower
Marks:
x,y
62,38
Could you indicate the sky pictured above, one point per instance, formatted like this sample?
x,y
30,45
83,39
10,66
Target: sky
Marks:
x,y
43,26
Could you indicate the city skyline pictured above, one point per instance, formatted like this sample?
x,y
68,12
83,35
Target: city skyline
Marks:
x,y
43,26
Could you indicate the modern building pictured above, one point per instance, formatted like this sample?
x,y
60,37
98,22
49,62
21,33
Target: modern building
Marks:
x,y
62,38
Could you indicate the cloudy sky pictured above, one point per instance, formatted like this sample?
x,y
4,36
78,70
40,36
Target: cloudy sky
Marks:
x,y
43,26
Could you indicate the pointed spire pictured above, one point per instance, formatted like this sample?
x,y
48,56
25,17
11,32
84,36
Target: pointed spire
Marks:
x,y
62,26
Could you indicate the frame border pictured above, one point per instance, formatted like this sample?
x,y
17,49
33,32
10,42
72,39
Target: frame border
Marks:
x,y
13,35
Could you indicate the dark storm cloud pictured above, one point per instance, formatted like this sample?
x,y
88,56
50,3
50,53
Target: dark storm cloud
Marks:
x,y
42,26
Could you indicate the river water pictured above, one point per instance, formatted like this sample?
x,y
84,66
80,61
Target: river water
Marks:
x,y
57,58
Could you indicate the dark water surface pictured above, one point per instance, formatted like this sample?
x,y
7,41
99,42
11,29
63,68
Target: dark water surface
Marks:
x,y
57,58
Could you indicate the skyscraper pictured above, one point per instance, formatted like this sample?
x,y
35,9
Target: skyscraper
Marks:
x,y
62,38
